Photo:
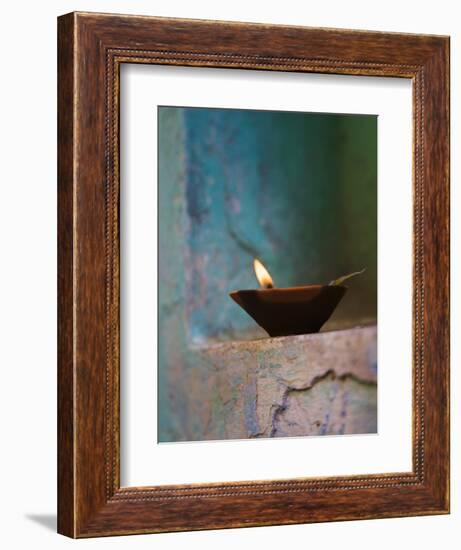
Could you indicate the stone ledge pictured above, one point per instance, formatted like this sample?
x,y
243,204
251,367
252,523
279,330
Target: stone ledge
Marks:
x,y
314,384
350,351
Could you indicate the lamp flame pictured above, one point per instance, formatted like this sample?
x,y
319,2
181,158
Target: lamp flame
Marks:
x,y
264,279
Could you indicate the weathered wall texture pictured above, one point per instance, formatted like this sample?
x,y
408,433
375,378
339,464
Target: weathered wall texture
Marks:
x,y
313,384
299,192
316,384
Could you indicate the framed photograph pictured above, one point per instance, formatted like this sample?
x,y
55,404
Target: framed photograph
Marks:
x,y
253,323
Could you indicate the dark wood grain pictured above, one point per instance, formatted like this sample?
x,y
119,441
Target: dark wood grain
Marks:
x,y
66,471
91,49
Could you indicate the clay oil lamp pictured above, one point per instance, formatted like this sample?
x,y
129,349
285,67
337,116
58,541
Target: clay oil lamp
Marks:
x,y
293,310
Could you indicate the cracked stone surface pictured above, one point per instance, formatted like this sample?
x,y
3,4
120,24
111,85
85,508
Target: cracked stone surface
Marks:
x,y
317,384
330,406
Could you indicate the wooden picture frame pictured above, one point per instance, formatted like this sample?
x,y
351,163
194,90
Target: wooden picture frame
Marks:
x,y
92,47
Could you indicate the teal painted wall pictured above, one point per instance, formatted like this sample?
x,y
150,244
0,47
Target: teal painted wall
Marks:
x,y
297,190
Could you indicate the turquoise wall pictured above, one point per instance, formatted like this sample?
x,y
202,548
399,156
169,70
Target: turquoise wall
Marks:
x,y
297,190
